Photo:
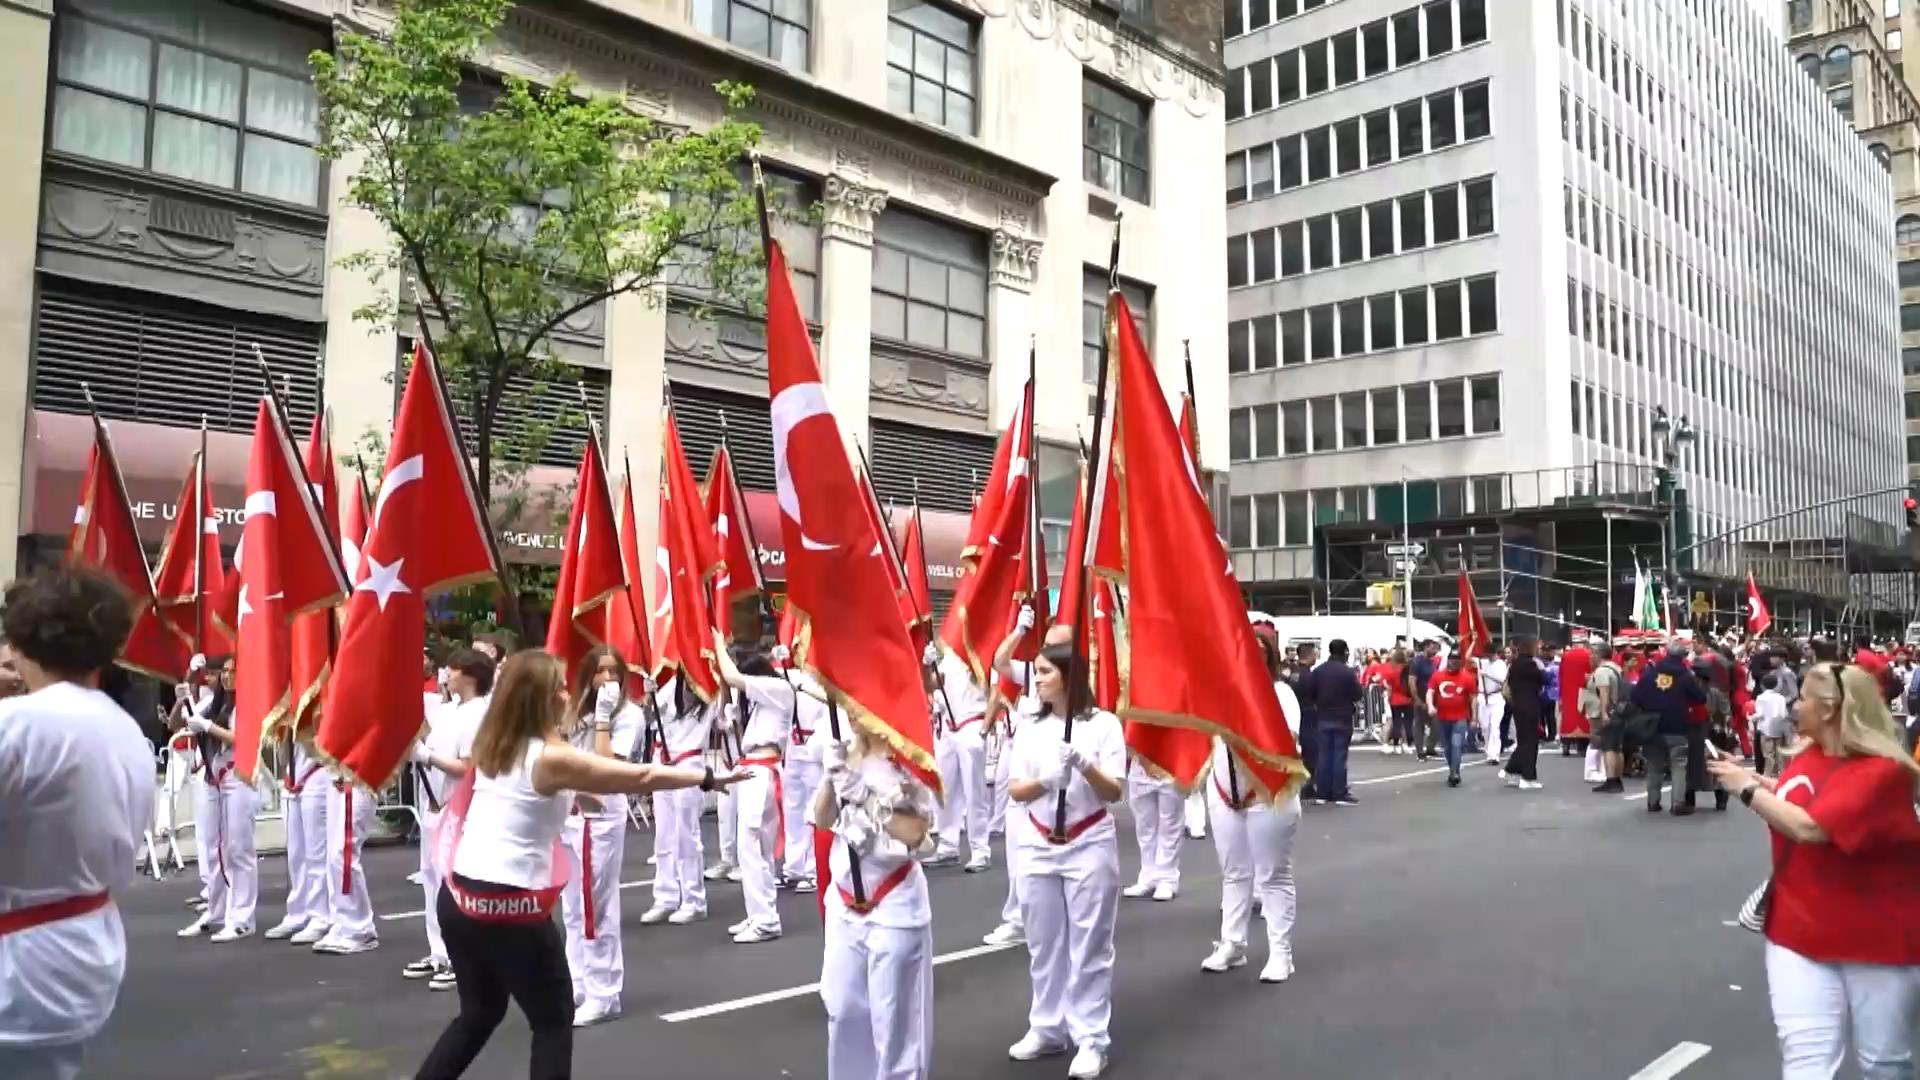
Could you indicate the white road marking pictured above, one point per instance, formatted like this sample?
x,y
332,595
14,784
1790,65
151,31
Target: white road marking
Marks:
x,y
421,913
1417,772
802,991
1673,1062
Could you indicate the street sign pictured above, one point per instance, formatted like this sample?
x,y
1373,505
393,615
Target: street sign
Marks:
x,y
1401,566
1415,549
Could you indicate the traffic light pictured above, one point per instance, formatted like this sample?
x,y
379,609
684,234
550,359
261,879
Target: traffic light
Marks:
x,y
1913,512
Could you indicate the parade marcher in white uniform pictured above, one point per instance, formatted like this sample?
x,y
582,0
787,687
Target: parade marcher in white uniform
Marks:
x,y
440,760
1069,883
876,972
609,725
303,800
76,791
496,906
1159,826
723,749
1196,815
802,780
1024,708
765,730
223,821
350,925
183,769
962,757
1255,843
1493,704
679,888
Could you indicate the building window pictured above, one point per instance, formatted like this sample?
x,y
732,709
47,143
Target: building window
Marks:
x,y
1439,27
1386,416
1320,332
1373,44
776,29
1299,524
1452,397
1476,115
1910,273
1907,229
1909,318
1482,306
930,64
1910,361
1799,16
1484,390
1895,41
1265,349
1810,64
1417,408
930,284
1383,322
1473,21
1445,213
206,93
1325,426
1093,317
1414,328
1115,150
1353,421
1440,121
1479,207
1837,69
1293,428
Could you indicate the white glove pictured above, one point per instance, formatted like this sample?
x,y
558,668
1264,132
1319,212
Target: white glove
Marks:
x,y
848,787
781,654
1025,620
605,700
198,724
833,756
1074,759
421,755
931,657
856,828
198,663
444,675
180,691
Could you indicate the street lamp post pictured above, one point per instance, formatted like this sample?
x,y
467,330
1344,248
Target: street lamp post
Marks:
x,y
1671,435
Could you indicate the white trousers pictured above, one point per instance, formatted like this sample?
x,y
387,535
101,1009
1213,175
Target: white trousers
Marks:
x,y
1196,813
756,813
1001,769
877,983
1159,825
349,818
206,833
726,810
1256,853
802,782
678,851
1010,911
1069,906
1819,1008
590,905
1492,711
963,758
223,835
430,878
307,852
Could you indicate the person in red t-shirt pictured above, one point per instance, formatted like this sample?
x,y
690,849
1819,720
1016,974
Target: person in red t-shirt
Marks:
x,y
1376,678
1400,699
1450,696
1843,945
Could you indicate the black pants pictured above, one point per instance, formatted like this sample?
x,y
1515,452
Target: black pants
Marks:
x,y
1525,761
496,961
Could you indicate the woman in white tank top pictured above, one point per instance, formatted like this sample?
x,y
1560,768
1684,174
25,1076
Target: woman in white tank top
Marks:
x,y
496,906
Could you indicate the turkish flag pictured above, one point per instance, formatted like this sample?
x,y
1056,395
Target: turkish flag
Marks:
x,y
104,537
427,535
626,610
1473,638
1758,617
356,515
1105,654
837,574
740,564
316,634
190,577
883,528
591,571
287,567
1102,552
1194,669
1009,465
793,634
688,558
913,555
988,598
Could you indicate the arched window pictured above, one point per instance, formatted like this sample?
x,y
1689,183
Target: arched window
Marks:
x,y
1882,155
1799,16
1837,69
1841,98
1811,65
1907,229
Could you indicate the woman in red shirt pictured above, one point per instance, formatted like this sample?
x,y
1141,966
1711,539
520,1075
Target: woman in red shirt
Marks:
x,y
1843,945
1450,695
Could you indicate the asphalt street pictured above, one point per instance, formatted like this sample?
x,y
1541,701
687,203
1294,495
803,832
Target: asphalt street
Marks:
x,y
1479,933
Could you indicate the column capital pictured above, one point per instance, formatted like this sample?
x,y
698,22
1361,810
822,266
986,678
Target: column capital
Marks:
x,y
850,209
1014,260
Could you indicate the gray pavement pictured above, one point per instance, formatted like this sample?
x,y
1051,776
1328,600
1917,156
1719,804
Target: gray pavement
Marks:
x,y
1479,933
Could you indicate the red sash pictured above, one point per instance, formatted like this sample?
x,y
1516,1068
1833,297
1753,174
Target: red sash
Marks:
x,y
955,728
771,763
345,788
1074,831
26,918
678,758
1241,804
887,884
586,877
295,787
509,906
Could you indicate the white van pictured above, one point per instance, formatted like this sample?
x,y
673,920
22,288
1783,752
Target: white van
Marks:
x,y
1381,632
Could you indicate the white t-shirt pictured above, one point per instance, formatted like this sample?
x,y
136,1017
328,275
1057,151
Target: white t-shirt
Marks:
x,y
1771,716
510,828
687,734
769,703
76,792
906,907
216,756
629,724
455,724
1493,676
966,697
810,716
1036,756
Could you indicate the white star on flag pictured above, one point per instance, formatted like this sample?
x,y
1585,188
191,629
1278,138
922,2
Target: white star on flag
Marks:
x,y
383,580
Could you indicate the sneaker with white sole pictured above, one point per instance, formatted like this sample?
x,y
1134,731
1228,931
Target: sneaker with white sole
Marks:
x,y
422,968
195,928
718,871
979,865
1165,892
655,915
1032,1047
595,1012
754,935
1088,1063
687,915
313,933
231,933
1139,890
345,946
284,929
1531,785
196,903
942,858
1226,956
733,875
1278,970
443,980
806,885
1005,934
739,926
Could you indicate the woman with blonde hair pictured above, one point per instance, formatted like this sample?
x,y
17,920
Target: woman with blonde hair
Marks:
x,y
1843,947
501,831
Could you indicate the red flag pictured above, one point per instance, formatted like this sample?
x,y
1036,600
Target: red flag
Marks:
x,y
189,579
793,634
687,560
883,528
989,596
1010,459
1105,654
287,567
626,611
316,634
1473,638
1758,617
591,570
836,568
427,534
740,564
1190,429
913,553
356,516
1194,669
104,536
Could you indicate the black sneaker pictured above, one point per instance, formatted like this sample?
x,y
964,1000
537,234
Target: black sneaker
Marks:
x,y
1611,787
1682,809
1654,808
1453,779
1720,799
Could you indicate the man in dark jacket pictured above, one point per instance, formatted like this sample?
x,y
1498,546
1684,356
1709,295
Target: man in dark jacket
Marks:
x,y
1669,691
1332,691
1307,653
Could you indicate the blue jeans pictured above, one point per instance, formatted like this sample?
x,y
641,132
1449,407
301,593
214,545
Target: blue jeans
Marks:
x,y
1330,780
1453,740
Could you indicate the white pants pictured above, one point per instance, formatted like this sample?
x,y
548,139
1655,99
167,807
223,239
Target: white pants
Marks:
x,y
725,809
590,904
1818,1008
307,852
349,908
678,851
802,782
756,812
1069,905
877,983
963,759
206,833
430,878
1002,766
1197,813
1256,853
223,835
1159,825
1009,911
1492,711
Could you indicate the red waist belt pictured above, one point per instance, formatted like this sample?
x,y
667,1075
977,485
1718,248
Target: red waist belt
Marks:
x,y
887,884
675,759
510,906
801,735
1074,831
1237,804
295,787
26,918
771,763
953,727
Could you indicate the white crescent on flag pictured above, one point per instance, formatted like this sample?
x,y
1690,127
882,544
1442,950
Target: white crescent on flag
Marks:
x,y
796,403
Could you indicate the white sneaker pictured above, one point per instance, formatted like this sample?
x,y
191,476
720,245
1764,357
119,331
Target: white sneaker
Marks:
x,y
1509,779
422,968
979,863
196,903
1006,934
417,878
1032,1047
231,933
1278,970
1389,748
443,980
1139,890
314,932
941,858
283,930
733,875
1165,892
1531,785
342,946
195,928
738,927
686,915
754,935
806,885
653,860
1090,1062
655,915
718,871
595,1012
1226,955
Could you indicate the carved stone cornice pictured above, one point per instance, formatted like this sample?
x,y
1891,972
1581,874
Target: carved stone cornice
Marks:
x,y
850,208
1014,259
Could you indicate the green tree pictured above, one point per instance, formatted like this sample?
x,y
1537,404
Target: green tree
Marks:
x,y
513,207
